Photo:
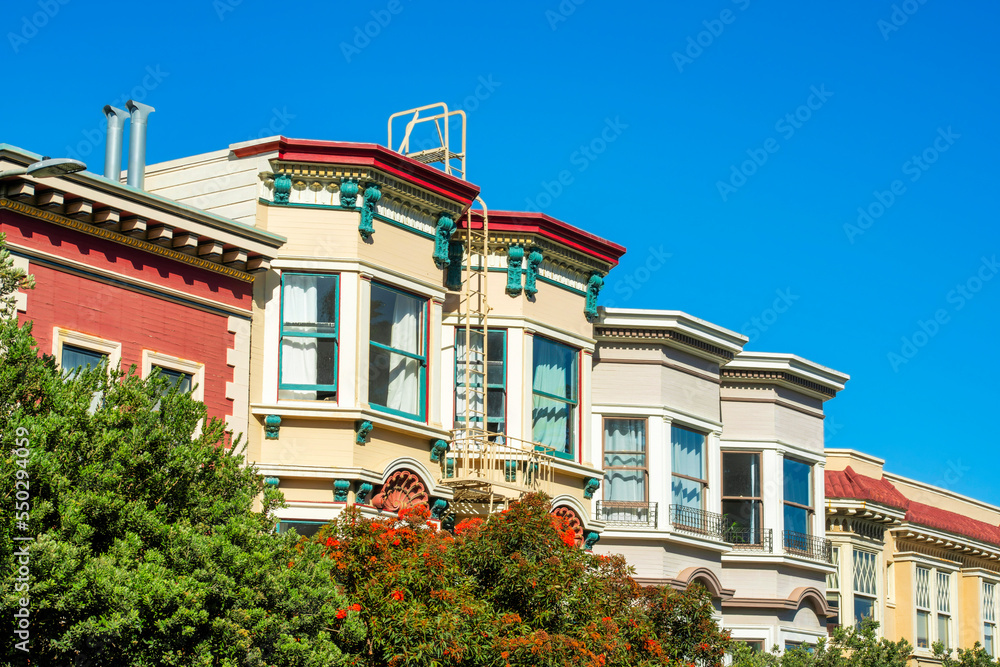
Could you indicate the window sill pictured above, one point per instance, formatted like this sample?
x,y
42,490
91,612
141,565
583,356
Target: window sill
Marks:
x,y
315,410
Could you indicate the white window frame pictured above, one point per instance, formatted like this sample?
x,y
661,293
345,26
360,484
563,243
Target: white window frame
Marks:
x,y
992,648
874,597
950,612
195,369
61,336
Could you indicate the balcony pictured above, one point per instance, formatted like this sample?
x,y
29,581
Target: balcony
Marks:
x,y
699,522
482,466
750,539
627,513
807,546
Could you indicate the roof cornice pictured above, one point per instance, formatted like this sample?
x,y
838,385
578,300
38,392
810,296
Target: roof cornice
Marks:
x,y
788,370
670,327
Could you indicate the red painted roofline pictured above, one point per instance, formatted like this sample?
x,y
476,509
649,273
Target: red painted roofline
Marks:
x,y
551,228
367,155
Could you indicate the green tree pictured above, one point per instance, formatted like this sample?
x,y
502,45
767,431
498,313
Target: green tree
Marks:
x,y
973,657
147,549
848,647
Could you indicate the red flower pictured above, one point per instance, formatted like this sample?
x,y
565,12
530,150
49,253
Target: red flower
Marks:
x,y
703,646
330,542
397,595
355,607
341,613
291,563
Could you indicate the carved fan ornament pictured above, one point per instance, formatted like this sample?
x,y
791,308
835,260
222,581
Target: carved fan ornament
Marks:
x,y
571,520
402,490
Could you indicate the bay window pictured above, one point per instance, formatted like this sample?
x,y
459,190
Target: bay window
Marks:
x,y
688,467
495,377
308,348
625,470
554,396
797,496
741,496
397,363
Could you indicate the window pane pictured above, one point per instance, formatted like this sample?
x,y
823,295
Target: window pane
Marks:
x,y
744,517
687,452
942,630
833,599
865,574
308,362
944,592
77,358
303,528
687,493
555,369
625,435
796,482
625,485
863,607
397,320
552,423
988,632
741,474
923,587
394,381
309,303
797,519
177,379
923,629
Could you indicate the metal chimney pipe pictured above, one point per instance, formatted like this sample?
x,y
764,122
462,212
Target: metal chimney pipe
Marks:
x,y
137,142
113,152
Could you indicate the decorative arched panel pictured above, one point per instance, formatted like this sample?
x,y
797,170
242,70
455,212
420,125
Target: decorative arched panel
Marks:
x,y
403,489
571,520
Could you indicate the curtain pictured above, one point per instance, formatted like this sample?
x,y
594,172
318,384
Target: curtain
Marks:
x,y
299,355
687,458
477,365
404,372
554,374
624,446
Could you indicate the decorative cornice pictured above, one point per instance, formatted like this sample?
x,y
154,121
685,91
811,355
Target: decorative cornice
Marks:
x,y
125,240
754,376
653,335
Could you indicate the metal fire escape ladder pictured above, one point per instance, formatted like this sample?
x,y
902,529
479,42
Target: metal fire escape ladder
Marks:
x,y
433,151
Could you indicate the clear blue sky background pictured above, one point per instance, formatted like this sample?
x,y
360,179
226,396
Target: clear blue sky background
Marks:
x,y
226,71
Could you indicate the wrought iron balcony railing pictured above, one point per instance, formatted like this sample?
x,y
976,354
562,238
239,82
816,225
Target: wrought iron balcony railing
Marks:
x,y
750,539
627,513
808,546
699,522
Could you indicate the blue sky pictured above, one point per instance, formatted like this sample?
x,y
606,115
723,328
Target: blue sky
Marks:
x,y
728,144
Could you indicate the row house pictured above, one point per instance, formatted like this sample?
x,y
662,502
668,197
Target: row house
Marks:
x,y
921,560
713,469
129,278
409,345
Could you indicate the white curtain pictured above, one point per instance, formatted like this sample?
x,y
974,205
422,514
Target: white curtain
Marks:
x,y
404,372
687,458
476,363
624,446
552,419
299,355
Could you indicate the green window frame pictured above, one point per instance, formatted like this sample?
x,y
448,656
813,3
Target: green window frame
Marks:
x,y
496,378
555,390
392,362
302,321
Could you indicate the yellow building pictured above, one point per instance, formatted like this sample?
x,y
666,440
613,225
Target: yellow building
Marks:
x,y
924,561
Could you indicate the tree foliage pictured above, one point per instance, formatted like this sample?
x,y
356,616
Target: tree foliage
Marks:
x,y
848,647
973,657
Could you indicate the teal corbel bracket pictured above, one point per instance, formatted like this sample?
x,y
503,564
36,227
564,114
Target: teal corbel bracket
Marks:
x,y
362,496
594,285
282,188
442,235
591,486
373,192
272,423
340,489
349,192
590,539
438,448
448,523
271,481
453,280
438,508
535,258
515,254
363,429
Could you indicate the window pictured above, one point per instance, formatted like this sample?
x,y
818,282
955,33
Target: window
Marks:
x,y
923,604
303,528
989,617
554,396
496,378
308,364
78,358
756,645
865,585
741,496
687,458
798,496
833,588
397,365
625,470
944,608
183,381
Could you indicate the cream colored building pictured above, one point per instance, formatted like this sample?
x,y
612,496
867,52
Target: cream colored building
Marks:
x,y
713,469
359,363
924,561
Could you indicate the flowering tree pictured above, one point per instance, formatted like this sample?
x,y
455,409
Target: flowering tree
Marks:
x,y
512,589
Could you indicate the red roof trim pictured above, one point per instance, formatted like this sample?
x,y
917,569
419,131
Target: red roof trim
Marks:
x,y
367,155
551,228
